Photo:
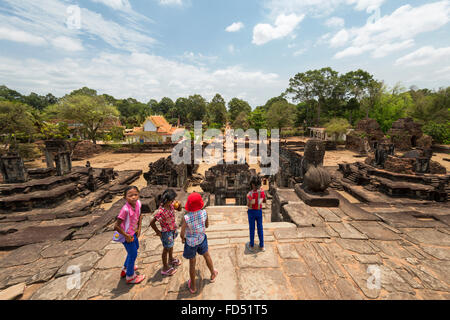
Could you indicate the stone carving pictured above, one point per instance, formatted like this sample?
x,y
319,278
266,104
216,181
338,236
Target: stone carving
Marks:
x,y
317,179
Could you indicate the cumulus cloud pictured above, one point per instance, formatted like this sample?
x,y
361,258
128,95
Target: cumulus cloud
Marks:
x,y
425,56
284,25
235,27
67,44
335,22
15,35
138,75
171,2
392,32
116,4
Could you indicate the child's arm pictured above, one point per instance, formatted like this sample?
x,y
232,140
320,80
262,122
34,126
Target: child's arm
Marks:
x,y
138,231
153,225
183,231
119,229
207,221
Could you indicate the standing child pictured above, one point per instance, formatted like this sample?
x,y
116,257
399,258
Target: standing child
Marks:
x,y
168,233
128,225
194,238
255,198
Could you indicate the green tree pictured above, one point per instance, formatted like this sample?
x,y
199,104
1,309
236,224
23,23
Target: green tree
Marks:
x,y
10,95
197,108
217,111
337,127
15,119
319,85
241,121
281,115
430,106
85,91
91,112
257,118
271,101
236,106
164,106
182,109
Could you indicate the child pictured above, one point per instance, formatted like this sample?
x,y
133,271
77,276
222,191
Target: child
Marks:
x,y
168,233
130,218
194,238
255,198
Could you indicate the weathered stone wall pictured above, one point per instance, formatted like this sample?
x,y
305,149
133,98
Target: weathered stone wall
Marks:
x,y
405,134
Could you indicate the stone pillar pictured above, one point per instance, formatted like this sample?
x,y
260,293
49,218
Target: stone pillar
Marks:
x,y
314,154
13,169
63,163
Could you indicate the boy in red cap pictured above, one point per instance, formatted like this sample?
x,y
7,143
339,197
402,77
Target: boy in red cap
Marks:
x,y
194,238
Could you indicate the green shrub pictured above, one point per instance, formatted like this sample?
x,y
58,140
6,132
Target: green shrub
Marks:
x,y
440,132
28,151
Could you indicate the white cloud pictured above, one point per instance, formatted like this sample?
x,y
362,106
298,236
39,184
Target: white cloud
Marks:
x,y
138,75
392,32
116,4
335,22
29,17
231,49
171,2
21,36
198,59
67,44
299,52
235,27
318,7
425,56
284,25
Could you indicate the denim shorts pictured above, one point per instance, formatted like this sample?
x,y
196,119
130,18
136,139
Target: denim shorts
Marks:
x,y
168,239
191,252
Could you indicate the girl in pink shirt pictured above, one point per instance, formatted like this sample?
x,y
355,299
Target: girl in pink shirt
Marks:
x,y
128,224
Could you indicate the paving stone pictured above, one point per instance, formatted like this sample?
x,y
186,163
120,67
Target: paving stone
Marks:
x,y
330,260
267,259
96,243
23,255
328,215
312,232
307,288
362,277
400,296
392,282
331,232
115,246
105,283
438,253
428,281
431,295
303,215
338,212
287,251
409,279
151,293
12,293
374,230
226,285
358,246
63,248
263,284
286,234
346,231
154,276
330,291
63,288
85,262
152,259
113,259
391,248
440,268
428,236
339,254
311,258
295,268
218,242
409,220
368,259
348,290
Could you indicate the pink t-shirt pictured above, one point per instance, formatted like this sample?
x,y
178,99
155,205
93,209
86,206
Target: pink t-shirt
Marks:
x,y
134,217
253,198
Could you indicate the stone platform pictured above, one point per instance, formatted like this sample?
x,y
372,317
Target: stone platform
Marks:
x,y
328,261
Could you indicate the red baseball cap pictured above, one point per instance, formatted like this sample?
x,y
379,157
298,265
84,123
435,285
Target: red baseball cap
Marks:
x,y
194,202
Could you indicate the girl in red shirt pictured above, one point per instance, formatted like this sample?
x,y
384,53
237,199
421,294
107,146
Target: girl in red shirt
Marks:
x,y
255,198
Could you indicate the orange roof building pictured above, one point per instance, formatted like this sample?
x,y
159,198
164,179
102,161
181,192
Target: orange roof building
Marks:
x,y
155,124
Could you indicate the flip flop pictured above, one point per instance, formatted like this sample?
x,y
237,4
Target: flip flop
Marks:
x,y
175,263
215,276
124,271
136,279
189,286
169,272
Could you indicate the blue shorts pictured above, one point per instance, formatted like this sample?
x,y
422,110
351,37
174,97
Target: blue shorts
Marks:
x,y
168,239
191,252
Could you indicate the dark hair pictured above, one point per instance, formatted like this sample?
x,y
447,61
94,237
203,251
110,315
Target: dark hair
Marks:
x,y
255,180
128,189
168,195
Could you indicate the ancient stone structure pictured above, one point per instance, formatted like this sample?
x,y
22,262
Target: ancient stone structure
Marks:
x,y
165,172
405,134
228,181
314,154
316,179
57,154
367,133
12,168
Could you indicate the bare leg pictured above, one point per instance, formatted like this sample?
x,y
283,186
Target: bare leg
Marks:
x,y
164,259
210,265
171,255
192,273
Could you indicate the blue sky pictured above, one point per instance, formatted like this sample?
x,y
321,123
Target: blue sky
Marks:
x,y
148,49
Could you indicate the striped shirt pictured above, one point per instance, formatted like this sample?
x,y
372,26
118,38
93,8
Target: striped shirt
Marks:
x,y
195,227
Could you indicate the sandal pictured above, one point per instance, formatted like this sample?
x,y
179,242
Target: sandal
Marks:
x,y
169,272
136,279
124,271
175,263
215,276
189,286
